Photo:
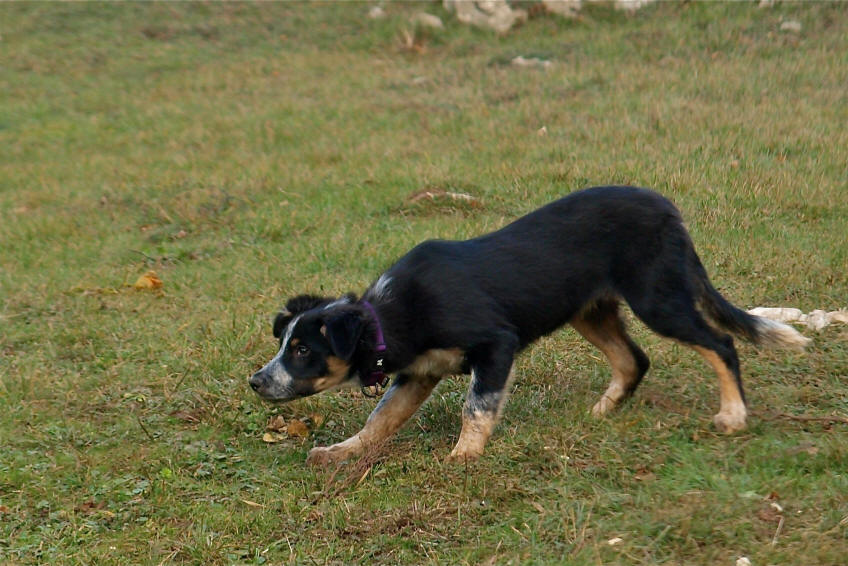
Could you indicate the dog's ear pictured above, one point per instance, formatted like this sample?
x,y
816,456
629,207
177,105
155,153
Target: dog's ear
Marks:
x,y
282,320
343,331
294,307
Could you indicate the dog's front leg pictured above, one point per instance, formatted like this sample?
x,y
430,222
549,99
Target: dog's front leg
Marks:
x,y
490,378
402,399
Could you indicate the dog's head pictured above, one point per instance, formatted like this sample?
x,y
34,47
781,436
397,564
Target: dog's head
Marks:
x,y
318,339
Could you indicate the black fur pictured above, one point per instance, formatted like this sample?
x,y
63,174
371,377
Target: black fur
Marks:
x,y
531,277
489,297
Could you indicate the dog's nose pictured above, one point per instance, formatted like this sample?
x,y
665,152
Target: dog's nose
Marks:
x,y
256,380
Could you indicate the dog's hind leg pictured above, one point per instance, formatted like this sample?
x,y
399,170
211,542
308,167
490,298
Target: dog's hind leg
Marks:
x,y
602,326
732,412
491,373
400,401
675,316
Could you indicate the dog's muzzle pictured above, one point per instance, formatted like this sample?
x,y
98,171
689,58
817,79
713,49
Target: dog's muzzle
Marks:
x,y
272,385
258,380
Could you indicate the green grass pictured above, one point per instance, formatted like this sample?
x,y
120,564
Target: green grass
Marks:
x,y
247,152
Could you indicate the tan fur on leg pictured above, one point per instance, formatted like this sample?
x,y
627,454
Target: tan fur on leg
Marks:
x,y
732,413
476,430
609,337
477,427
394,409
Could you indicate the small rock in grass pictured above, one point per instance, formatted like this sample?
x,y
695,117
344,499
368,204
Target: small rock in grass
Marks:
x,y
522,61
427,20
780,314
376,13
792,26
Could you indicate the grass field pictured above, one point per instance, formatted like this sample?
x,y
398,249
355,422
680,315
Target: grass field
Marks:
x,y
247,152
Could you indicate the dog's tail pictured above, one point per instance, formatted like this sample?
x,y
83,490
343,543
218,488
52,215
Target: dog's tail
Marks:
x,y
759,330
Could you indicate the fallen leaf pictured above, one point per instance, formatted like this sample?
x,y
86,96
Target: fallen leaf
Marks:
x,y
644,474
768,514
272,437
317,420
297,428
276,424
614,541
148,281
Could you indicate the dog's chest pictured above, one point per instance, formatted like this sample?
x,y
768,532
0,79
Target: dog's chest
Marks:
x,y
437,363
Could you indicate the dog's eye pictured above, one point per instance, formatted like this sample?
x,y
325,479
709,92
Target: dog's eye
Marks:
x,y
301,351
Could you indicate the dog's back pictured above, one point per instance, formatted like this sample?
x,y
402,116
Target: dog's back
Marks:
x,y
538,272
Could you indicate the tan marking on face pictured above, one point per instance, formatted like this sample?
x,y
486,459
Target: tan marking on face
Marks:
x,y
732,413
294,341
437,362
337,372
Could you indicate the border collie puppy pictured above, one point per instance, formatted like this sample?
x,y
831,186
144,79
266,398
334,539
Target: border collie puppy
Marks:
x,y
451,307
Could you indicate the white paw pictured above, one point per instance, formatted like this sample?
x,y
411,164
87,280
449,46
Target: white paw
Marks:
x,y
324,455
464,453
728,423
603,406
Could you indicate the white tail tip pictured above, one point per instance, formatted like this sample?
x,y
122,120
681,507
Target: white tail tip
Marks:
x,y
776,334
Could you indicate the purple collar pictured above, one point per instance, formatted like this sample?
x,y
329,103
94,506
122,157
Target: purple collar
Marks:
x,y
378,377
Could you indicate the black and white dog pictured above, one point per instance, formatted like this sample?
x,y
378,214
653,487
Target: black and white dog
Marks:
x,y
450,307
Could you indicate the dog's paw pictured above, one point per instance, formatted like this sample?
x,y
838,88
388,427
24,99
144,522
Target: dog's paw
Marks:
x,y
324,455
603,406
728,423
463,454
